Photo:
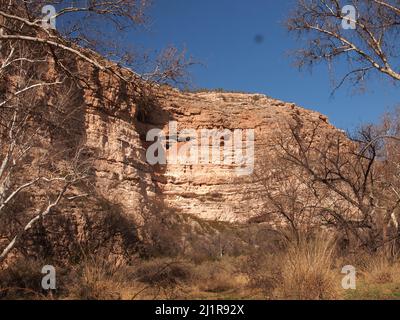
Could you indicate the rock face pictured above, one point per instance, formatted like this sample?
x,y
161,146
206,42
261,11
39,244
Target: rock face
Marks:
x,y
117,116
212,191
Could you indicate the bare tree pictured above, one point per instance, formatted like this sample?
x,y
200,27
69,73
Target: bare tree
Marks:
x,y
31,162
371,47
43,161
328,180
363,174
78,25
292,204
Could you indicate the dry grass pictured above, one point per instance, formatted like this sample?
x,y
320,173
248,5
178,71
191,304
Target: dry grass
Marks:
x,y
216,277
304,270
101,279
307,272
96,279
381,270
378,278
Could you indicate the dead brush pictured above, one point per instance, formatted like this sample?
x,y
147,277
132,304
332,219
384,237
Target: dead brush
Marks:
x,y
22,280
217,276
263,272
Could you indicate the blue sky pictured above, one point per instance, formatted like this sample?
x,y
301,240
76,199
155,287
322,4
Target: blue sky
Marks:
x,y
221,34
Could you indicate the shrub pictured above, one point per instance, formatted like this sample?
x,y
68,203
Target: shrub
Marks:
x,y
163,273
22,279
256,98
263,272
162,235
217,276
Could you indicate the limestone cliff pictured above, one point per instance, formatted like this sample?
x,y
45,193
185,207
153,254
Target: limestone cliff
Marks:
x,y
207,191
112,111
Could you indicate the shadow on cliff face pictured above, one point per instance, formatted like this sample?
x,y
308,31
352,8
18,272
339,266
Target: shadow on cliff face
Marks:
x,y
66,110
86,227
141,109
91,222
150,114
137,105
